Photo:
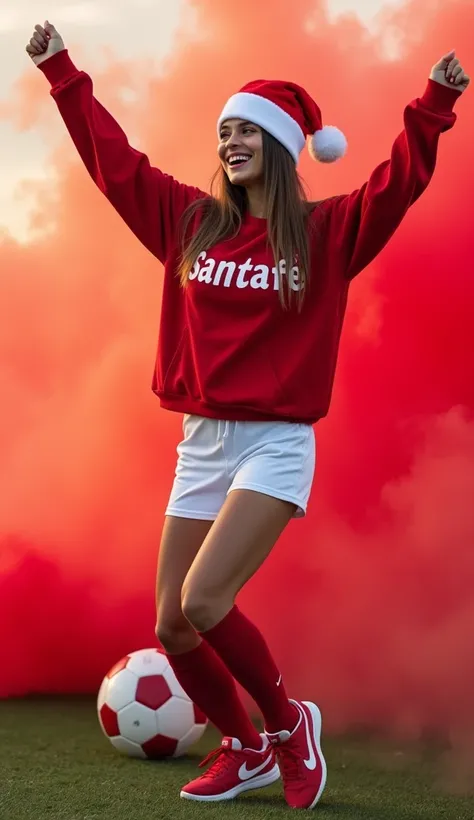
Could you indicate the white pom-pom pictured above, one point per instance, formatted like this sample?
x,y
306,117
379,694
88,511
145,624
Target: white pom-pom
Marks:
x,y
328,144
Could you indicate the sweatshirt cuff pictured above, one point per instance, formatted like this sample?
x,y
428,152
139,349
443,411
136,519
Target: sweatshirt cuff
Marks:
x,y
439,97
58,68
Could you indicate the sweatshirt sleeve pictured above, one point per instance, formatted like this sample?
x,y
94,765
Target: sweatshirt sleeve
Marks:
x,y
148,200
361,223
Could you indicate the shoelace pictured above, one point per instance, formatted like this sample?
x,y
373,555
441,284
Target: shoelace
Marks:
x,y
220,759
289,761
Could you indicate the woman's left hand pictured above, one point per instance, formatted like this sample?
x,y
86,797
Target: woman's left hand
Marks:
x,y
449,71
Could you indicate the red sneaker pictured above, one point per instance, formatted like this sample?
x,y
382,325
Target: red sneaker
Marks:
x,y
302,765
234,770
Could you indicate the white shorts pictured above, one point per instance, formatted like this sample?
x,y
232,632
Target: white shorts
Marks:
x,y
215,457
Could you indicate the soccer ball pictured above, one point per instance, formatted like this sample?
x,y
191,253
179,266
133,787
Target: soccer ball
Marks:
x,y
144,711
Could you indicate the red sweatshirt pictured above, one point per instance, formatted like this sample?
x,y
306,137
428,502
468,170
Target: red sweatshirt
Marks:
x,y
227,348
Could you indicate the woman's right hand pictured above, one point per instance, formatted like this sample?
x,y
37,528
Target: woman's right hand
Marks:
x,y
45,42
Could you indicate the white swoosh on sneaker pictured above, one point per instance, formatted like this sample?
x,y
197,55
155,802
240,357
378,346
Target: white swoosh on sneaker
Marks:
x,y
311,762
245,773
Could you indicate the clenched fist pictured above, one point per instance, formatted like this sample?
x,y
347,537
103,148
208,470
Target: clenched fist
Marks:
x,y
45,42
449,71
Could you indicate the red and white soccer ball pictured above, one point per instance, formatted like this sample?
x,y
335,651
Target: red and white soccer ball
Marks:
x,y
144,711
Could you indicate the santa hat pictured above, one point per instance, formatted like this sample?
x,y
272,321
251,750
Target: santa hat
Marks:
x,y
290,115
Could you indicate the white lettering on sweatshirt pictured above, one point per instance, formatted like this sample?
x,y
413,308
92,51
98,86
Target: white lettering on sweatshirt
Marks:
x,y
226,274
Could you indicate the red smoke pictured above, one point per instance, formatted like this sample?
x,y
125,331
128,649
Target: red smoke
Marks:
x,y
377,621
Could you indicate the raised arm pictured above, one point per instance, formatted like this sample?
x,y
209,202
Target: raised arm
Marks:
x,y
361,223
149,201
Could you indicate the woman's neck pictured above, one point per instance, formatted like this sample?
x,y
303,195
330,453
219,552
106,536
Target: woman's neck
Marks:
x,y
256,202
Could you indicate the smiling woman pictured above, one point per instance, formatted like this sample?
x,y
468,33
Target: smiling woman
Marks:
x,y
258,177
250,372
241,154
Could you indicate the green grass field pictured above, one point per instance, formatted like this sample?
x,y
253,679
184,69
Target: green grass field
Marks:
x,y
55,763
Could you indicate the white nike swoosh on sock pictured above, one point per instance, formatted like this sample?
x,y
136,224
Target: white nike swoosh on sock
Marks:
x,y
245,773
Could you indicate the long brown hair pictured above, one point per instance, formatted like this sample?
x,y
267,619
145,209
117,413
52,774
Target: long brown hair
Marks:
x,y
287,218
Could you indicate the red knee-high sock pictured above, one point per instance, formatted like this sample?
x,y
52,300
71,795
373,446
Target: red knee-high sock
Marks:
x,y
244,651
207,681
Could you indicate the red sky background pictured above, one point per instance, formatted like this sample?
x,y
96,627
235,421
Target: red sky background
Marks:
x,y
377,622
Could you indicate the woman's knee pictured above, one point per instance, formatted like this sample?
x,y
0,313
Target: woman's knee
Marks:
x,y
202,609
175,633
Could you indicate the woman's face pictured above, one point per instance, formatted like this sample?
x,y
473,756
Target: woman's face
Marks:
x,y
240,151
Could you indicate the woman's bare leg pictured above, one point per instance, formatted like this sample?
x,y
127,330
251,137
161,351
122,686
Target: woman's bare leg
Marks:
x,y
200,671
181,540
235,547
245,532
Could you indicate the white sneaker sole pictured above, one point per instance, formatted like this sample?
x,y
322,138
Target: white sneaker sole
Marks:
x,y
316,727
247,785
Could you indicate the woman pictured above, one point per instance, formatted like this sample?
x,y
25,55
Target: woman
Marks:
x,y
255,289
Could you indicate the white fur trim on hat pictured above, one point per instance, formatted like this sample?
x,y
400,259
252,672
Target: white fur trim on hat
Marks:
x,y
328,144
268,115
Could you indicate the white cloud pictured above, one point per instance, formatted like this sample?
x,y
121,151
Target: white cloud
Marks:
x,y
89,12
15,202
10,19
366,10
26,14
370,14
88,25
